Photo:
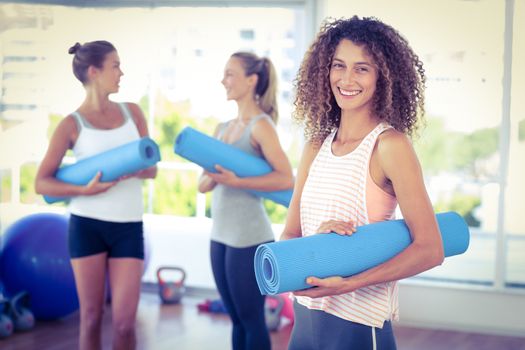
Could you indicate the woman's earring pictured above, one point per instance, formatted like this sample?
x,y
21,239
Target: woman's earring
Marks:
x,y
257,98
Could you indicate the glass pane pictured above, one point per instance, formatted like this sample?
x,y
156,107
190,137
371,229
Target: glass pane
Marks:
x,y
27,180
185,84
174,75
515,191
175,192
459,147
5,185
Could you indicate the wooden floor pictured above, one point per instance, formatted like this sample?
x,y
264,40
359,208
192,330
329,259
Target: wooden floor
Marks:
x,y
183,327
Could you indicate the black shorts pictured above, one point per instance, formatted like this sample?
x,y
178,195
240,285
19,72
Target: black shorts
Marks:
x,y
119,239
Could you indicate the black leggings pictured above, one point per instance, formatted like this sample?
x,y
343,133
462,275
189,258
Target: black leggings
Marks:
x,y
235,278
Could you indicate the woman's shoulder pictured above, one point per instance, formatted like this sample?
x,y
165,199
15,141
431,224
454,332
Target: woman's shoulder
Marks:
x,y
134,108
264,118
67,129
392,137
263,122
220,127
69,123
392,143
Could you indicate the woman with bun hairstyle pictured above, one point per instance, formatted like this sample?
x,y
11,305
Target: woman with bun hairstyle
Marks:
x,y
105,226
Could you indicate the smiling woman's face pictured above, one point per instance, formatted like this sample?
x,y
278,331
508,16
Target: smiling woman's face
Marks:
x,y
235,81
353,76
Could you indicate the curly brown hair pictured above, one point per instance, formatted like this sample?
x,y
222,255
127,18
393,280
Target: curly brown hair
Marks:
x,y
400,84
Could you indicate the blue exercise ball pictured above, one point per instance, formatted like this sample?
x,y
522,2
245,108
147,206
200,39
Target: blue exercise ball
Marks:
x,y
35,258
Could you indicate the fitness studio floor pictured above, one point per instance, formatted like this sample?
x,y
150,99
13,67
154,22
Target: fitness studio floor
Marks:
x,y
183,327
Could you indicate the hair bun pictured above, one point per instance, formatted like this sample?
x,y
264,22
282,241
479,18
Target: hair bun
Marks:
x,y
73,49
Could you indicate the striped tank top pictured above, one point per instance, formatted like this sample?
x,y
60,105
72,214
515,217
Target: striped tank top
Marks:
x,y
337,188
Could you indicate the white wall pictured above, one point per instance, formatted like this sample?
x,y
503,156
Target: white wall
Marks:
x,y
481,310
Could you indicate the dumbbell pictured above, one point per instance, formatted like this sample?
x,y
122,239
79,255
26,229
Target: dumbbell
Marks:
x,y
272,313
171,292
6,324
23,318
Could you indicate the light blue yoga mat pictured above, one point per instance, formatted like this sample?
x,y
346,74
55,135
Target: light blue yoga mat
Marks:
x,y
284,266
207,152
114,163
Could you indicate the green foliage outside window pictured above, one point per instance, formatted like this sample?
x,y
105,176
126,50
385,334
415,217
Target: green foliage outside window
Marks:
x,y
5,186
175,191
462,204
276,212
441,150
27,180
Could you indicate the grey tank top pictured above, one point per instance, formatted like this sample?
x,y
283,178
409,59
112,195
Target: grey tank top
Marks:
x,y
239,218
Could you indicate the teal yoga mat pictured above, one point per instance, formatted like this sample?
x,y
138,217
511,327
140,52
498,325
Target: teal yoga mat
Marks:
x,y
207,151
284,266
114,163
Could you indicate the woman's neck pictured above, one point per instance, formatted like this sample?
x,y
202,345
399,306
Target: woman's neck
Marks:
x,y
355,126
247,109
96,102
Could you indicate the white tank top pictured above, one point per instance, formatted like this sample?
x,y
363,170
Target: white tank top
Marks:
x,y
122,202
336,189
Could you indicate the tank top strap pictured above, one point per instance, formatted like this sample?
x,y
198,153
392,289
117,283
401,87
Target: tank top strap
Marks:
x,y
370,140
125,111
81,121
248,130
221,129
256,119
382,127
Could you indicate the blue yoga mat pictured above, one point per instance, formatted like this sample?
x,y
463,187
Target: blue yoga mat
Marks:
x,y
114,163
207,152
284,266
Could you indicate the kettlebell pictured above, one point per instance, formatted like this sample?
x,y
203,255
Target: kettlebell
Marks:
x,y
23,318
272,314
6,324
171,292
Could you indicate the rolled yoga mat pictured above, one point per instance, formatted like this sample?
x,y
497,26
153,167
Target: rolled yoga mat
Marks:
x,y
284,266
207,151
114,163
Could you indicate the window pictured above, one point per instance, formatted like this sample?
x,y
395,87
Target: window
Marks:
x,y
471,149
247,34
513,225
463,149
175,75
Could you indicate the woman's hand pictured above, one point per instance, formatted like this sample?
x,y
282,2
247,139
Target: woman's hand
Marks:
x,y
323,287
339,227
333,285
95,186
224,177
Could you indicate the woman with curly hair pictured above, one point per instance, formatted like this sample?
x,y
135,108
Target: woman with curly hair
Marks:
x,y
359,94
